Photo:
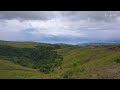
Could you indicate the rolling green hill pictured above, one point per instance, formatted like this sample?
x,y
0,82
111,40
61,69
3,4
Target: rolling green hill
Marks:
x,y
98,62
9,70
92,62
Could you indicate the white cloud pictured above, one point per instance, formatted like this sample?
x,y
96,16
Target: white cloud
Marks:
x,y
50,27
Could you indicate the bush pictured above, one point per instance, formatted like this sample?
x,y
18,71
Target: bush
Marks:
x,y
46,69
74,64
117,59
67,74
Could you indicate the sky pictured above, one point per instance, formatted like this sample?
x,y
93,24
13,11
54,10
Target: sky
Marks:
x,y
70,27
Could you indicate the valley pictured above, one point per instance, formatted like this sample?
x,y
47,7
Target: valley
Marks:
x,y
31,60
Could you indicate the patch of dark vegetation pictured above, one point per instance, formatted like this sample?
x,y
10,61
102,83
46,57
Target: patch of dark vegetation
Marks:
x,y
114,48
117,59
67,74
44,58
75,64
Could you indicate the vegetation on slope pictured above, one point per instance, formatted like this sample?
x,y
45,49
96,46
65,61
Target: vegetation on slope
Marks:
x,y
10,70
44,58
89,62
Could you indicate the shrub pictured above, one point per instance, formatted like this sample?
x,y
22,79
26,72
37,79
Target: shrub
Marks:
x,y
74,64
117,59
67,74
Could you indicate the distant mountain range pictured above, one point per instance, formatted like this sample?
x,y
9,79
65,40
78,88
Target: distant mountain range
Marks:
x,y
98,43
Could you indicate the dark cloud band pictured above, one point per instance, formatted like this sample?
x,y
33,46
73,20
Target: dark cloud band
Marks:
x,y
72,15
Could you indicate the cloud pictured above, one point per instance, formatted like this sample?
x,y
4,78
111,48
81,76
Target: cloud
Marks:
x,y
73,15
28,15
60,26
106,16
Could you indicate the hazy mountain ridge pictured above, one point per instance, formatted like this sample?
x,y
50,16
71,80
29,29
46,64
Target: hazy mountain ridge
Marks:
x,y
98,43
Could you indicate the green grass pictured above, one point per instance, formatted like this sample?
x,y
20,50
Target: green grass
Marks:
x,y
9,70
79,62
88,63
21,44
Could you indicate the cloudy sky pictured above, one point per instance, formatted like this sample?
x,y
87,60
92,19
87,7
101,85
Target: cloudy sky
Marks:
x,y
72,27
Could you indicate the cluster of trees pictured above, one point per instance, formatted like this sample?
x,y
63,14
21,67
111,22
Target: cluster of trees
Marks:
x,y
44,58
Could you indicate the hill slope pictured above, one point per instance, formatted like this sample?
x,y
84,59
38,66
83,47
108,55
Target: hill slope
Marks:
x,y
9,70
87,62
78,62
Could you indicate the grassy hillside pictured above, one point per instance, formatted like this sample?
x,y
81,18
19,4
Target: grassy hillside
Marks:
x,y
9,70
19,44
89,62
78,62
